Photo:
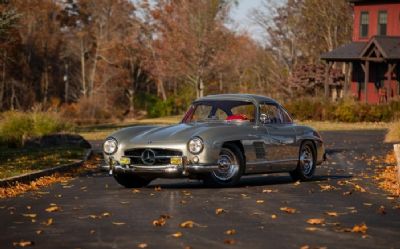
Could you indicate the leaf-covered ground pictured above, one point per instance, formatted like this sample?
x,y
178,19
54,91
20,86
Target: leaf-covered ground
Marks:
x,y
20,161
342,208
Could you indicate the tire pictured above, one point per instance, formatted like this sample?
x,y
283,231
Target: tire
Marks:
x,y
130,180
230,176
306,164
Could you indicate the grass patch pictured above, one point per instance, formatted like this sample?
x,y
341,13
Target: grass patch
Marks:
x,y
393,134
19,161
343,126
17,127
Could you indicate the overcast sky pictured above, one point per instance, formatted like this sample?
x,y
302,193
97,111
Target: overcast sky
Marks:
x,y
241,17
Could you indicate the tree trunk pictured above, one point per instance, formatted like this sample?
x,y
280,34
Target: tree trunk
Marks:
x,y
3,80
161,90
12,98
93,73
46,83
83,72
66,79
200,87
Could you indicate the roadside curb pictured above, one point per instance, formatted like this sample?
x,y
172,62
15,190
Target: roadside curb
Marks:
x,y
45,172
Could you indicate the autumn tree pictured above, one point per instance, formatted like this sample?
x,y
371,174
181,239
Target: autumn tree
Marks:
x,y
189,35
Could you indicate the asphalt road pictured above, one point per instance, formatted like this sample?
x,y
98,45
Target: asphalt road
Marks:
x,y
95,212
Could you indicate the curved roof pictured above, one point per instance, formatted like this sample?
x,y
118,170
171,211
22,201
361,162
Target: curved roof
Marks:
x,y
240,97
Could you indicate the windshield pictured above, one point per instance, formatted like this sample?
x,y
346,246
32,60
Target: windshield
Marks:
x,y
214,111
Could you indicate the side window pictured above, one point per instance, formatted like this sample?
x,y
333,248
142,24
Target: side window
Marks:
x,y
382,23
286,119
201,113
247,110
364,24
270,114
220,114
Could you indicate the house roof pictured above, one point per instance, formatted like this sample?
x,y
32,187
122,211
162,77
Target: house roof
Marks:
x,y
347,52
388,46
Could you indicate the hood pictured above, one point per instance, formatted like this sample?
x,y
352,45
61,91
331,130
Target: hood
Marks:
x,y
173,133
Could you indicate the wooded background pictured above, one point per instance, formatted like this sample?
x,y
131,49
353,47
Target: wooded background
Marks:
x,y
115,58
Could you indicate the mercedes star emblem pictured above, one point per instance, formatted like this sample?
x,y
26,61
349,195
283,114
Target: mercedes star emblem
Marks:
x,y
148,157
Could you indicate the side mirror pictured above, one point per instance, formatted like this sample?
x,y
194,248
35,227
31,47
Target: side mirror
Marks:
x,y
264,119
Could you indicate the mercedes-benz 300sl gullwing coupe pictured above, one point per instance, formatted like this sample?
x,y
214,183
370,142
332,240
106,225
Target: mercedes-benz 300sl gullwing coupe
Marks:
x,y
220,139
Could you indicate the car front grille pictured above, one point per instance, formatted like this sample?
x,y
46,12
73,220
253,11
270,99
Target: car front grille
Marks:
x,y
161,156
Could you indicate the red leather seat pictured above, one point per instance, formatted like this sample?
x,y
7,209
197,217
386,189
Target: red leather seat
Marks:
x,y
237,117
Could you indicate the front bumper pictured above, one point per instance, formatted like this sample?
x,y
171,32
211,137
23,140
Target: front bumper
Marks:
x,y
166,170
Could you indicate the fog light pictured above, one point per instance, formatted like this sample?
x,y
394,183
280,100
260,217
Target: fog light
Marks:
x,y
125,161
196,159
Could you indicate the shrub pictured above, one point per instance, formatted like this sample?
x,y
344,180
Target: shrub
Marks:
x,y
344,110
16,127
86,111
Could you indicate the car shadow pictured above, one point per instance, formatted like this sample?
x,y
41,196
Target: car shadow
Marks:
x,y
247,181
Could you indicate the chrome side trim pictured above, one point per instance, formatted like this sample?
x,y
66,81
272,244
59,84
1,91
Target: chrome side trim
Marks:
x,y
272,162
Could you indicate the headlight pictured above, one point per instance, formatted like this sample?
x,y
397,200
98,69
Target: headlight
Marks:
x,y
195,145
110,146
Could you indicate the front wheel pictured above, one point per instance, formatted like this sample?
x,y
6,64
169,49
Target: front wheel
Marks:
x,y
306,164
130,180
231,168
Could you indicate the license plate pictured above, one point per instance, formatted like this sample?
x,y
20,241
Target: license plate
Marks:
x,y
176,160
125,161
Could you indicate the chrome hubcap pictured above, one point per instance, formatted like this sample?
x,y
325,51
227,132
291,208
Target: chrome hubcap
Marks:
x,y
307,160
228,166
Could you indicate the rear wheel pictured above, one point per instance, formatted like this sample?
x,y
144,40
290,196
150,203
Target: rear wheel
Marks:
x,y
130,180
231,168
306,164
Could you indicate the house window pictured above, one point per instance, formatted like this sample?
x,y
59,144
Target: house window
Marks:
x,y
382,23
364,24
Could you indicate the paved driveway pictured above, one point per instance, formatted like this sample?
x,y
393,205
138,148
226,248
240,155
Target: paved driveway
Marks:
x,y
95,212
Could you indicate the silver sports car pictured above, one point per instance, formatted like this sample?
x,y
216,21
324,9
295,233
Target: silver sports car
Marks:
x,y
220,139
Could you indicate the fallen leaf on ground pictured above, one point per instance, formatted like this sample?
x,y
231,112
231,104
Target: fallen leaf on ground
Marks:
x,y
142,245
30,215
273,216
136,191
362,228
229,241
119,223
288,210
305,247
333,214
315,221
23,243
220,211
311,229
326,187
157,188
296,183
38,232
260,201
177,235
161,221
382,210
52,209
187,224
230,232
269,191
48,222
106,214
